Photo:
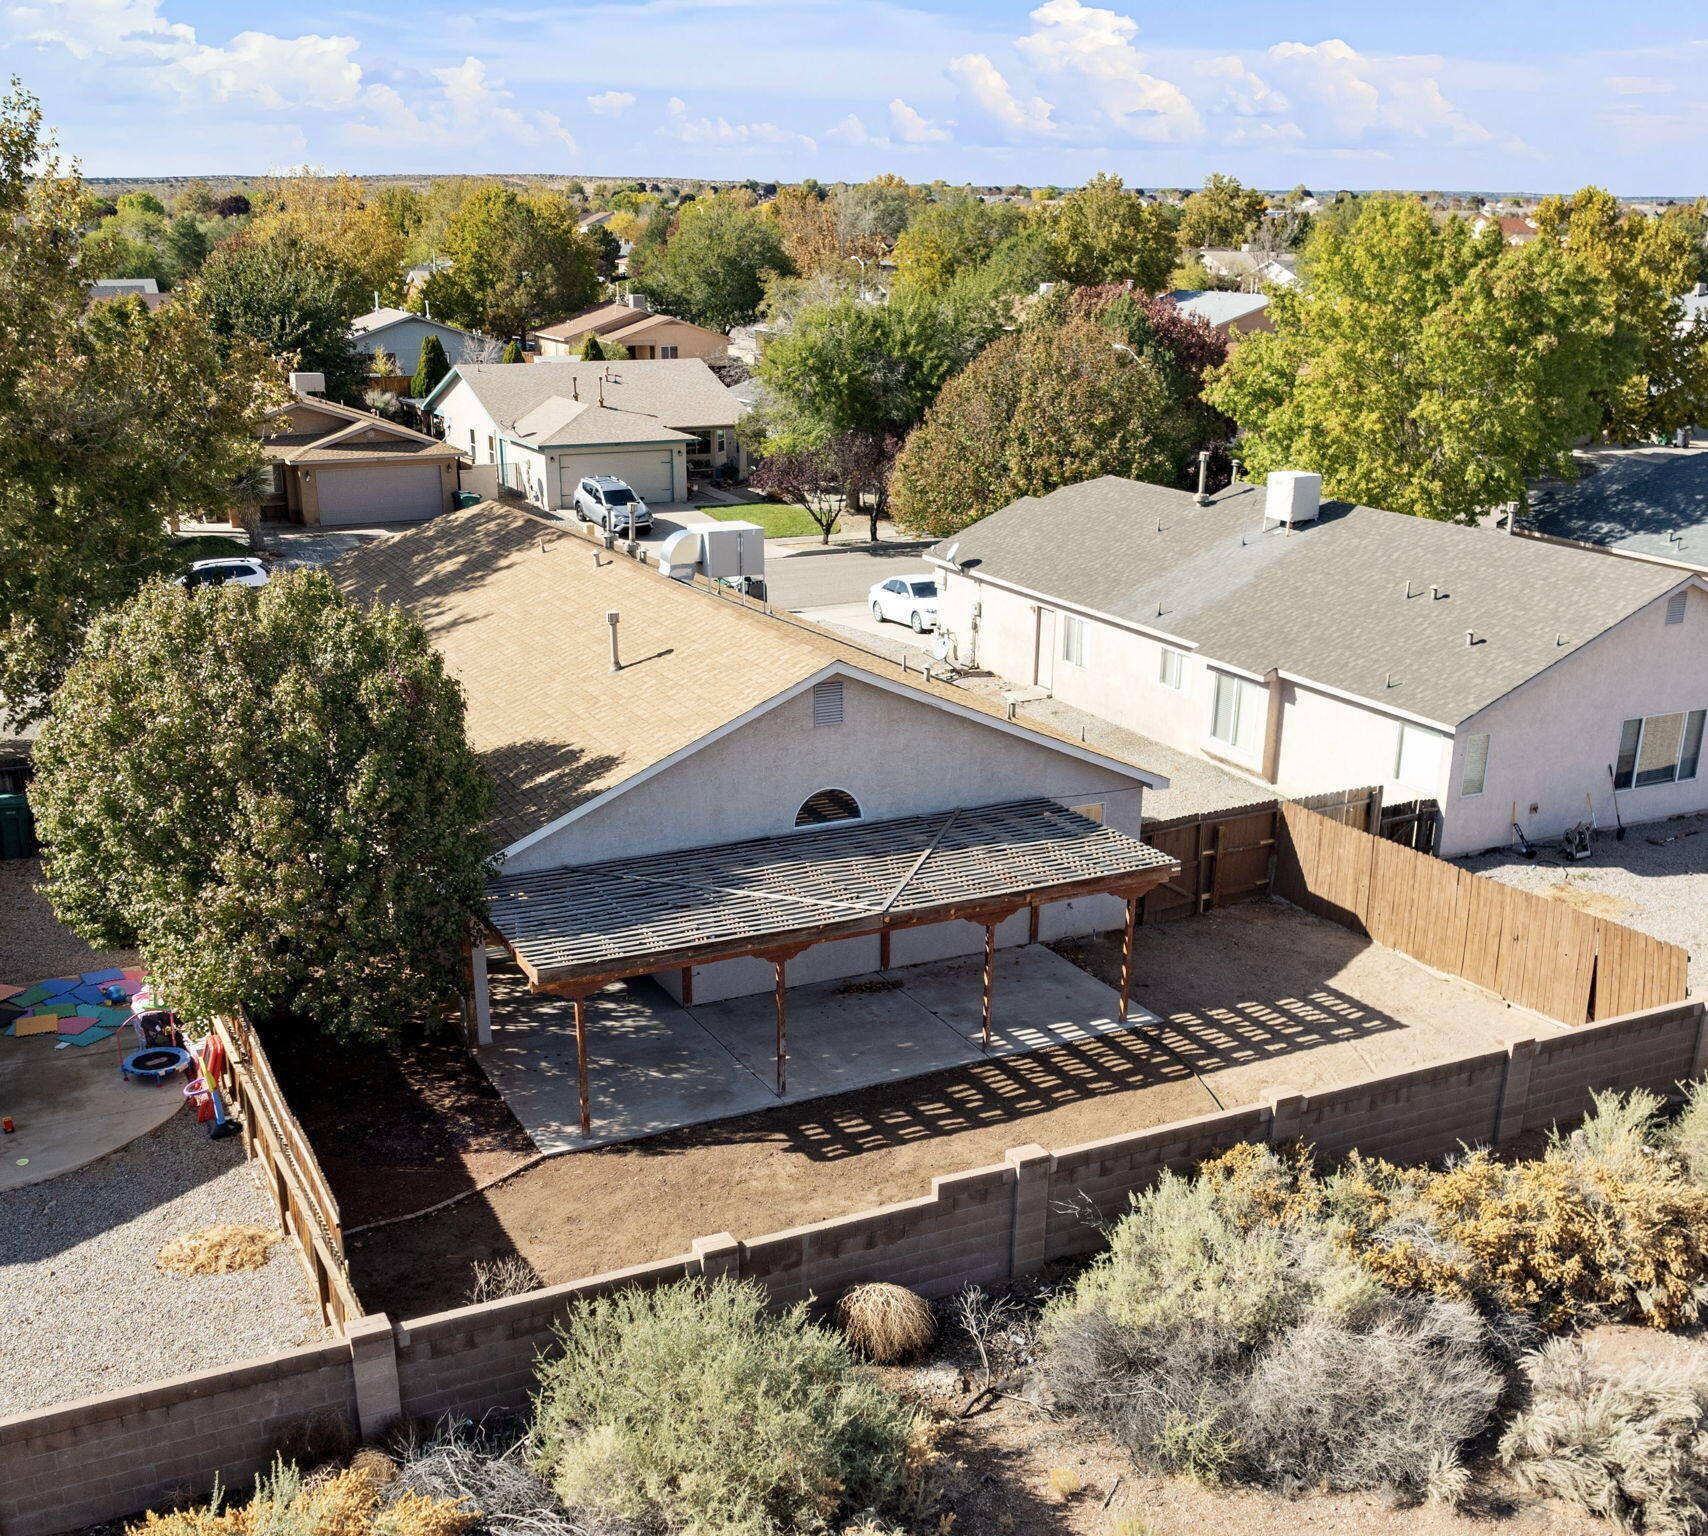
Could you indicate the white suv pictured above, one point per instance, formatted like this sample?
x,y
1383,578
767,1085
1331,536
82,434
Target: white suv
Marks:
x,y
214,573
612,504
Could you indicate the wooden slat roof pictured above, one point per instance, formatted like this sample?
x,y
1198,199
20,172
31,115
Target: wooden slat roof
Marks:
x,y
627,916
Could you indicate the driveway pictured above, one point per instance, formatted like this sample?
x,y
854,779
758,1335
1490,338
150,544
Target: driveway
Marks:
x,y
812,582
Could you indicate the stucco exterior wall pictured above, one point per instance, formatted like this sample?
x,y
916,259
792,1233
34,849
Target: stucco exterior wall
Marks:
x,y
1332,743
896,755
1551,742
689,341
404,339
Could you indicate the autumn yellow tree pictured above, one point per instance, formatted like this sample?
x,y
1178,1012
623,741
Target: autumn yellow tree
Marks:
x,y
337,214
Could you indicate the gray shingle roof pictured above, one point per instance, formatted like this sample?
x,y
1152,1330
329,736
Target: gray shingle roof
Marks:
x,y
680,393
1216,308
1325,603
1634,500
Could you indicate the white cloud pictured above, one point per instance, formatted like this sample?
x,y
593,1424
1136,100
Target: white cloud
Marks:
x,y
848,130
1638,85
89,28
1353,95
990,90
911,128
718,130
278,73
1243,93
610,103
1095,47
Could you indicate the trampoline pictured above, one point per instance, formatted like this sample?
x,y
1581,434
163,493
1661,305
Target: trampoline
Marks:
x,y
154,1063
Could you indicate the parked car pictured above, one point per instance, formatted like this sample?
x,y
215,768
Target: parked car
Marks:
x,y
246,572
906,600
611,504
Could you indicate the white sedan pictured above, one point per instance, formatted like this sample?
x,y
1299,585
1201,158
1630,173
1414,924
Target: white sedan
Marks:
x,y
908,600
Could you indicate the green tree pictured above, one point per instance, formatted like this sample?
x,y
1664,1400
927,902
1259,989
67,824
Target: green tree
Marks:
x,y
270,793
1224,213
144,203
513,353
607,250
1425,370
1046,407
195,198
515,262
871,215
951,236
1645,265
432,367
111,424
186,246
113,251
1104,234
294,297
713,267
594,350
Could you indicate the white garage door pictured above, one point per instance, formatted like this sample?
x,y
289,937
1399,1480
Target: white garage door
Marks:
x,y
651,471
380,493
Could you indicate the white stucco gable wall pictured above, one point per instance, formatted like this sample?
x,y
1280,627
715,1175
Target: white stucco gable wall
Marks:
x,y
896,754
1552,740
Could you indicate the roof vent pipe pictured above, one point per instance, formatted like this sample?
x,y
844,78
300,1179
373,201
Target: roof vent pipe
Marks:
x,y
611,618
1203,496
1434,592
1470,637
601,391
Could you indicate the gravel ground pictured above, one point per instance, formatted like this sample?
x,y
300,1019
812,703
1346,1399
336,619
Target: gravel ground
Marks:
x,y
33,945
85,1309
1655,881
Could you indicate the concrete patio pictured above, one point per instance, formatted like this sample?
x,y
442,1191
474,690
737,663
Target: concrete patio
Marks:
x,y
654,1065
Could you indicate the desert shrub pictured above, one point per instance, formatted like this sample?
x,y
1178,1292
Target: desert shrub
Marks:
x,y
886,1323
1629,1445
494,1279
1386,1405
694,1407
1065,1483
1687,1137
342,1503
1568,1236
221,1249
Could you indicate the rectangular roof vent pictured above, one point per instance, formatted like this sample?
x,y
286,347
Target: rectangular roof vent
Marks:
x,y
827,703
1675,606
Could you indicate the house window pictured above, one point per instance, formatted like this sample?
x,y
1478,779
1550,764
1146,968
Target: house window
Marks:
x,y
827,703
722,439
667,352
491,451
471,442
1174,669
1092,812
1238,711
1073,640
827,805
1475,768
1418,759
1675,606
1659,749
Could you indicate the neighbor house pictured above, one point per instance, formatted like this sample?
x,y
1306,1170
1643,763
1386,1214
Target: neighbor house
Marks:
x,y
1233,314
731,804
145,288
546,424
332,464
399,333
1650,501
1326,646
630,323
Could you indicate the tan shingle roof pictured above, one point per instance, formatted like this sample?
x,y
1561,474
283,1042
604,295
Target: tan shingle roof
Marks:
x,y
682,393
348,435
516,605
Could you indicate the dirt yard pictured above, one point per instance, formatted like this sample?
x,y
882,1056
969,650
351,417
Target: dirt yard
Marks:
x,y
1254,997
1655,881
33,945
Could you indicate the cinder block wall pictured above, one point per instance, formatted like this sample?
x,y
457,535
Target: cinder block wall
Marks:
x,y
106,1457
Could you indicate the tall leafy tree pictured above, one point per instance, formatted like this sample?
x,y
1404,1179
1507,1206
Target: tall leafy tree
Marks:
x,y
293,296
871,215
1046,407
952,235
336,214
806,224
1103,233
1425,370
712,269
1645,265
269,792
516,262
1224,213
111,424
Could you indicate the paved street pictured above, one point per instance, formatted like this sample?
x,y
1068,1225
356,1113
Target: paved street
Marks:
x,y
804,579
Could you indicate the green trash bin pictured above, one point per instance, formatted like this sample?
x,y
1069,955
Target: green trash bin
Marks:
x,y
469,499
17,828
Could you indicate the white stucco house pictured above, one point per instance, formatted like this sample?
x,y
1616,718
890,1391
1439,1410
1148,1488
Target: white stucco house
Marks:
x,y
1321,647
658,424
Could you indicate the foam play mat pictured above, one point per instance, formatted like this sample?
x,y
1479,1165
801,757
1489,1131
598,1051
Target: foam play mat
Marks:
x,y
81,1010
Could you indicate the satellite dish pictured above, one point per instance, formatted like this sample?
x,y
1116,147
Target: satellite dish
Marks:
x,y
940,647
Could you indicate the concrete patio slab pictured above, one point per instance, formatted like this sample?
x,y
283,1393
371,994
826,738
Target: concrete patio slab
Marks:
x,y
654,1065
71,1106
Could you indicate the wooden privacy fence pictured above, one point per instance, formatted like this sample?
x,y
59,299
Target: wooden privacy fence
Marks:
x,y
307,1208
1533,952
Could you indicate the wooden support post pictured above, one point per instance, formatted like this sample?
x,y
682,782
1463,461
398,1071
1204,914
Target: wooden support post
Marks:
x,y
581,1064
782,1027
1127,955
884,950
687,986
1032,924
989,977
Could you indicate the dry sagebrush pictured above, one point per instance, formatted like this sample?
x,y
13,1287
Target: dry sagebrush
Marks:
x,y
886,1323
1627,1444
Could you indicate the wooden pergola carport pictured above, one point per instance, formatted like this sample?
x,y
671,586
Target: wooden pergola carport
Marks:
x,y
575,930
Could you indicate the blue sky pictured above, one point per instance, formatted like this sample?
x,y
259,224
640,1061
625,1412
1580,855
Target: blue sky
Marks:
x,y
1499,96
